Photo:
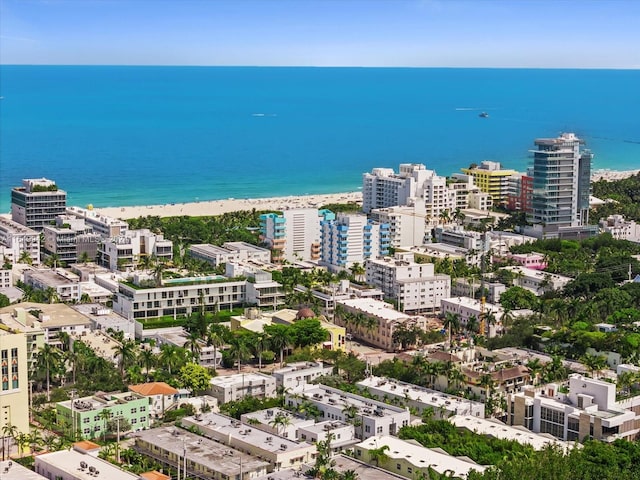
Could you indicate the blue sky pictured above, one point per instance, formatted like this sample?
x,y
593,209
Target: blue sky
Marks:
x,y
412,33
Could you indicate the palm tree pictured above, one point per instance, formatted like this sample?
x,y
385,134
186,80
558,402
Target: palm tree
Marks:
x,y
126,353
378,455
105,415
172,357
535,367
35,440
594,363
25,257
451,323
215,338
358,271
280,420
238,349
193,344
280,338
148,359
8,432
259,343
49,358
487,382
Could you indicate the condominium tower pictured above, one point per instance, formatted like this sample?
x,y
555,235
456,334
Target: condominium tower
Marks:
x,y
37,203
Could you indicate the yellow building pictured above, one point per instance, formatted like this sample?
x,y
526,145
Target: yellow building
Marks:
x,y
491,179
14,383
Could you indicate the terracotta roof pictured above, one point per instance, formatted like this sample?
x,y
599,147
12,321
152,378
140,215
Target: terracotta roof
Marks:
x,y
86,446
305,313
441,356
510,373
153,388
155,475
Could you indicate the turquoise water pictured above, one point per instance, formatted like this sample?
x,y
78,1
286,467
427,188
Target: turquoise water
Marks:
x,y
146,135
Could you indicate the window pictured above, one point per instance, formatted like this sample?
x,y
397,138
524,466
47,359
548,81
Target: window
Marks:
x,y
134,410
398,467
134,420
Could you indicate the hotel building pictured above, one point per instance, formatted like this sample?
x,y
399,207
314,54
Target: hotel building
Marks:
x,y
415,286
37,203
351,239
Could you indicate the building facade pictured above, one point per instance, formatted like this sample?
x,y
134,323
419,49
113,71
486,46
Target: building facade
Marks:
x,y
232,388
18,242
491,179
296,374
37,203
130,248
14,385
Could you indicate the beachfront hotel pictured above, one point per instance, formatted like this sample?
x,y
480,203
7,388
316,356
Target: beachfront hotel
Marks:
x,y
37,202
294,235
415,286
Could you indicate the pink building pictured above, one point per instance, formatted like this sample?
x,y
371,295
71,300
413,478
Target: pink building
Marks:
x,y
529,260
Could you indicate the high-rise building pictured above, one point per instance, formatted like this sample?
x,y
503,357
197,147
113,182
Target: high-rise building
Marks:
x,y
14,385
37,203
492,179
561,183
295,234
351,239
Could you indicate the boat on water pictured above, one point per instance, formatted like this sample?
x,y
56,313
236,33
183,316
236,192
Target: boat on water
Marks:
x,y
484,115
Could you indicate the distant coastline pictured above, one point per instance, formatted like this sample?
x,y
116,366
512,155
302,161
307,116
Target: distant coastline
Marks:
x,y
612,175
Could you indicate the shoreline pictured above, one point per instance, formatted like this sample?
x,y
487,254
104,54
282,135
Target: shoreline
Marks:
x,y
218,207
612,175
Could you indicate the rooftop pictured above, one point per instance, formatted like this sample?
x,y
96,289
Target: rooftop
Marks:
x,y
10,470
242,378
99,401
53,314
377,308
153,388
82,466
209,453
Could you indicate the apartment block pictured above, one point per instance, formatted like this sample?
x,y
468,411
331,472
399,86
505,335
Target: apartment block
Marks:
x,y
408,225
15,239
18,319
537,281
85,415
298,373
264,420
383,320
422,399
203,458
161,396
415,286
466,308
492,179
589,410
105,226
351,238
74,464
235,387
14,385
261,290
37,203
279,451
376,418
128,249
620,229
70,239
294,235
412,460
64,283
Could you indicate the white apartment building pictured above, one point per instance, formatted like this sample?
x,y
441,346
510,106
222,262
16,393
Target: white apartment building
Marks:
x,y
343,435
415,286
620,229
75,465
407,224
235,387
296,374
6,279
264,420
15,239
37,202
384,320
179,296
537,281
420,398
279,451
103,225
351,238
459,237
126,250
295,233
376,418
589,410
412,460
261,291
66,284
70,238
466,307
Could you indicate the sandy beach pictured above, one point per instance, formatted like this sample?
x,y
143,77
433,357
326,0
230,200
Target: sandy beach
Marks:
x,y
218,207
612,175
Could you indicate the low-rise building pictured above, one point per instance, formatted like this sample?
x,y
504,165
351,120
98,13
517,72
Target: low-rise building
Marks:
x,y
11,470
375,418
236,387
86,415
279,451
17,242
70,240
589,410
537,281
103,318
415,286
261,290
65,284
76,465
466,308
105,226
161,396
620,229
343,435
536,261
384,319
411,460
131,247
421,398
337,333
277,421
204,458
296,374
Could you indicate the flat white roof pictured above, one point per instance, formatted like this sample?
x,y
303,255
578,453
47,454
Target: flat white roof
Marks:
x,y
11,470
497,429
325,395
533,273
239,378
420,456
469,302
69,462
376,307
266,416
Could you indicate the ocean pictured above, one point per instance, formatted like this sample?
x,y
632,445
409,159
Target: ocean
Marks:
x,y
113,136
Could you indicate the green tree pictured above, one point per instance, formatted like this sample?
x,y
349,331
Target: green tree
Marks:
x,y
280,338
4,300
126,353
194,377
49,359
307,331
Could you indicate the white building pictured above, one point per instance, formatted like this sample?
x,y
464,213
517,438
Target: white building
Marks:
x,y
589,410
15,239
351,238
264,420
261,291
101,224
235,387
412,460
408,225
415,286
14,471
128,249
74,465
279,451
70,239
296,374
384,320
376,418
466,308
161,396
420,398
620,229
537,281
295,233
66,284
343,435
37,202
